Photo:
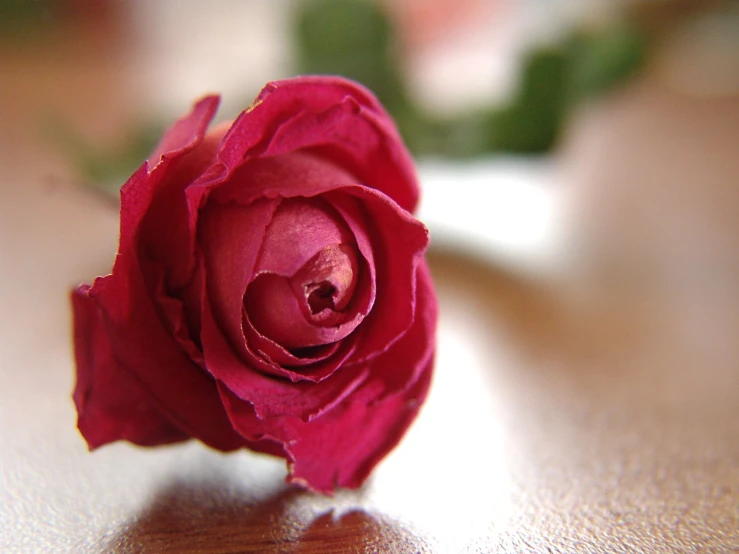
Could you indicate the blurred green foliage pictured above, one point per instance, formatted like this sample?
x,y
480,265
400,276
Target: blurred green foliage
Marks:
x,y
600,61
352,38
355,38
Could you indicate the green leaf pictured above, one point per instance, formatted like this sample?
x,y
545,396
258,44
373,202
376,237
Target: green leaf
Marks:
x,y
531,122
603,60
352,38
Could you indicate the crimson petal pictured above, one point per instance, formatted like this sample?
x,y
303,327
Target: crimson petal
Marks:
x,y
270,396
230,237
144,346
321,113
111,405
158,202
186,133
398,242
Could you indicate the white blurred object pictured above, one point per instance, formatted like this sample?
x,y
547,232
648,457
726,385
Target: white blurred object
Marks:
x,y
477,63
184,49
508,210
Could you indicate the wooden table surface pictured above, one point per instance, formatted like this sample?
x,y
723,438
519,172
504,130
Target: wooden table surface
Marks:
x,y
592,410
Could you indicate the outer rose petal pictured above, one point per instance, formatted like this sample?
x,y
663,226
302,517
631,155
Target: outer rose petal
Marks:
x,y
186,133
178,387
111,405
164,235
406,359
342,449
144,345
337,118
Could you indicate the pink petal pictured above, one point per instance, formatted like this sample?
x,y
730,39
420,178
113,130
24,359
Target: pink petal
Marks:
x,y
300,229
337,118
177,317
398,243
111,405
185,133
145,348
271,397
326,457
154,219
165,236
312,364
230,237
294,174
326,283
403,363
322,453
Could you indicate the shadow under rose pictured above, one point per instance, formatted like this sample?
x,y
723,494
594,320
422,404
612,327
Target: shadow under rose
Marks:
x,y
357,531
216,517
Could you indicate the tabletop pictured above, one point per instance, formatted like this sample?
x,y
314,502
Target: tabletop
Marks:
x,y
590,406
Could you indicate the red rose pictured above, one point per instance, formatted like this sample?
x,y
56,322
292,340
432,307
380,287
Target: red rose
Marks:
x,y
269,290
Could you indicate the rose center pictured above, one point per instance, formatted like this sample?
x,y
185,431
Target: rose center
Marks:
x,y
320,296
309,267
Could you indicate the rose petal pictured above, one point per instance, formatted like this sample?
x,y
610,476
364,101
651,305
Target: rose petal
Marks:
x,y
326,456
165,236
298,174
325,284
177,318
270,396
111,405
321,453
154,221
328,114
299,230
310,364
398,244
187,132
142,345
230,237
406,359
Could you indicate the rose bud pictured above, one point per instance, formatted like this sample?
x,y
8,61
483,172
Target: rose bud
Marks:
x,y
270,290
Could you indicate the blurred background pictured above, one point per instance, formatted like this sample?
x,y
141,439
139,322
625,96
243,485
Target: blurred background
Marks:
x,y
462,78
88,87
580,170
